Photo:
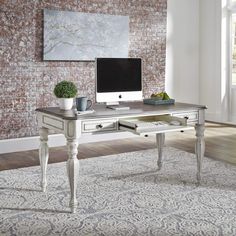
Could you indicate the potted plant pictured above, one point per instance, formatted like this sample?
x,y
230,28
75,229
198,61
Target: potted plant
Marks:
x,y
65,91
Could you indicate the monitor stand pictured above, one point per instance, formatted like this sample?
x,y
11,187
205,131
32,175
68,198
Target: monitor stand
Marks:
x,y
116,106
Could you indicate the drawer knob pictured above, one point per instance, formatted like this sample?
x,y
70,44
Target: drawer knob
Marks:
x,y
99,126
186,117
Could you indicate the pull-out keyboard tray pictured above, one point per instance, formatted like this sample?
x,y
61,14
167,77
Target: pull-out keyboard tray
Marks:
x,y
144,126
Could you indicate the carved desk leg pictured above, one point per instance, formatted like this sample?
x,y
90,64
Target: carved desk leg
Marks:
x,y
72,171
199,148
160,139
43,155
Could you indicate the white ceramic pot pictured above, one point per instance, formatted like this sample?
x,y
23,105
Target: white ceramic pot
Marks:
x,y
65,103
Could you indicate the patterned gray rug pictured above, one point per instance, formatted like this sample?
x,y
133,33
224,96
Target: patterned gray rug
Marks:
x,y
122,195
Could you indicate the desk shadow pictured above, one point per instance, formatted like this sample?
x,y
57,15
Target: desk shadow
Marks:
x,y
35,210
153,177
20,189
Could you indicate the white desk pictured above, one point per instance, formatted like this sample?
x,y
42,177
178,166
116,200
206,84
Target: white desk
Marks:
x,y
105,120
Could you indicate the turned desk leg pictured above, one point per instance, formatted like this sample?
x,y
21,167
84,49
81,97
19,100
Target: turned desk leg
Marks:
x,y
43,155
199,148
160,139
72,171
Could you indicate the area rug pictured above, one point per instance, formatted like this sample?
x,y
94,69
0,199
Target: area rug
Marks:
x,y
122,195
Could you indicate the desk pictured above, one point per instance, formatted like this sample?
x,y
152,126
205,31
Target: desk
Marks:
x,y
104,120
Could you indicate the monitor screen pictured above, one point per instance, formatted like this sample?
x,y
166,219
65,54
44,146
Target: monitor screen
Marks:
x,y
118,74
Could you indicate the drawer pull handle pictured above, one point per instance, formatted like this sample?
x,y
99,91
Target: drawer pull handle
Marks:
x,y
186,117
100,126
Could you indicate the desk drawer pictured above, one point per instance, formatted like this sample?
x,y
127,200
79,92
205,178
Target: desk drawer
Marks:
x,y
144,126
99,126
192,117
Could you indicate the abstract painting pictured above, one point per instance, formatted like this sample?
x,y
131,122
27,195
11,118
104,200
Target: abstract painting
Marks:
x,y
71,36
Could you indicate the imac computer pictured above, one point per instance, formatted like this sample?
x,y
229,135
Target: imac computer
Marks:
x,y
118,79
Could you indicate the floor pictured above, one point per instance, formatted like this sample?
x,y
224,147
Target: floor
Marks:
x,y
220,144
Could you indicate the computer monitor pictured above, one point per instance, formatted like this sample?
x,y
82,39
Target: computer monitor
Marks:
x,y
118,79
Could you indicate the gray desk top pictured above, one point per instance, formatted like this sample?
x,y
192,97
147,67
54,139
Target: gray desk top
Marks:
x,y
136,108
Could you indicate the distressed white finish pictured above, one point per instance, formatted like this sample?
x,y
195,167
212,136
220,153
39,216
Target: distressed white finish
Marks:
x,y
200,143
72,132
72,171
199,148
43,155
160,139
144,129
104,120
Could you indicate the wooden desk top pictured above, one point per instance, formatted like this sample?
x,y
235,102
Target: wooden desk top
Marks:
x,y
136,108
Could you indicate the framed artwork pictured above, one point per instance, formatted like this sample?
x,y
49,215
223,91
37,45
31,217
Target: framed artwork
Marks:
x,y
72,36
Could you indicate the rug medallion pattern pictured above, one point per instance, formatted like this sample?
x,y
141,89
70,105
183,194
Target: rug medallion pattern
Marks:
x,y
122,195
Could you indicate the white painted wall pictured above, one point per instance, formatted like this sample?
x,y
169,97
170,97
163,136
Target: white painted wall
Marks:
x,y
196,65
182,52
233,106
213,82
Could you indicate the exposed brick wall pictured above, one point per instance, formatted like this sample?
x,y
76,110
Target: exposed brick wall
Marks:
x,y
27,82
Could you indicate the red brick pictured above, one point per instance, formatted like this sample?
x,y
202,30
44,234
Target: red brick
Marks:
x,y
27,82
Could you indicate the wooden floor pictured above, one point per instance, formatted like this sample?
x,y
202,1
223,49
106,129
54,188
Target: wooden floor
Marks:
x,y
220,144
